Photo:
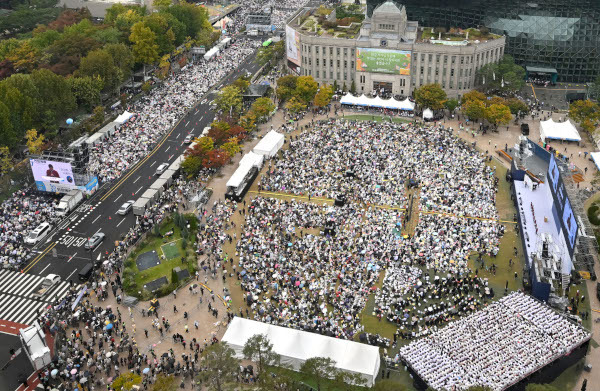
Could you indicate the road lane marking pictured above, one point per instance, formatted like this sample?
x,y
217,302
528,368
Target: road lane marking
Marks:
x,y
178,134
138,190
69,276
38,258
117,199
96,219
186,125
71,257
153,163
167,148
137,179
44,269
121,221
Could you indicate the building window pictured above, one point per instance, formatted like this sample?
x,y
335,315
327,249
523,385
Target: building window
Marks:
x,y
345,64
317,61
337,51
445,60
337,75
453,59
383,42
331,51
462,60
437,59
421,70
345,76
430,57
330,63
330,74
317,73
452,72
352,64
386,26
309,61
362,78
345,51
338,63
316,49
459,85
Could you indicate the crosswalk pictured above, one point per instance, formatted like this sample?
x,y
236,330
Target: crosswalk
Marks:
x,y
17,303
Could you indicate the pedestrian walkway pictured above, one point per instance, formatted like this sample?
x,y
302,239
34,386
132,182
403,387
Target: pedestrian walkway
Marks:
x,y
17,301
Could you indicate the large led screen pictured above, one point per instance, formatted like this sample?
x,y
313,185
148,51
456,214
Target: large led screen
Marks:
x,y
52,176
395,62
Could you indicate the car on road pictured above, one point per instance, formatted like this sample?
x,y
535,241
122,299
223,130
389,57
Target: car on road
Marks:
x,y
48,282
38,234
125,208
188,139
162,168
94,241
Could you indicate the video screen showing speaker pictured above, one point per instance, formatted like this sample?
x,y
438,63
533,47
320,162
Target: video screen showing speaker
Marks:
x,y
52,176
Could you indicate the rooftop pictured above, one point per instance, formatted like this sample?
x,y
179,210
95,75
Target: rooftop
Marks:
x,y
343,21
454,36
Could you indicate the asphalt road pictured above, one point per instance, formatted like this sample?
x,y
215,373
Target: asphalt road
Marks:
x,y
64,252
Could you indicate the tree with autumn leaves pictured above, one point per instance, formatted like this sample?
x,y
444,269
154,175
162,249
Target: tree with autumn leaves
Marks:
x,y
586,112
496,110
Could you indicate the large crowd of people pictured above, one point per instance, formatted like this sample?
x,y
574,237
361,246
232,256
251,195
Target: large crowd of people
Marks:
x,y
495,347
156,113
23,212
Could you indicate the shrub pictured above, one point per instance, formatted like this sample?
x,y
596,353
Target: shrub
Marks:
x,y
593,214
184,243
174,277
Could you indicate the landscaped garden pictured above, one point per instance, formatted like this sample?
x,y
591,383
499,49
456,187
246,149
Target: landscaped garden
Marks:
x,y
164,260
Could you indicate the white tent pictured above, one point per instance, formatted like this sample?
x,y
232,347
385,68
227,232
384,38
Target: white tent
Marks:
x,y
253,159
123,117
427,114
270,144
558,131
391,103
238,176
596,158
295,346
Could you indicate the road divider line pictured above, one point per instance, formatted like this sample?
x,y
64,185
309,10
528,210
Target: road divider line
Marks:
x,y
44,269
37,259
136,179
138,190
96,219
117,199
123,219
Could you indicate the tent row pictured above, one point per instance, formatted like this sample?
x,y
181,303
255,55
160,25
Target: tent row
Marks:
x,y
153,193
391,103
294,347
270,144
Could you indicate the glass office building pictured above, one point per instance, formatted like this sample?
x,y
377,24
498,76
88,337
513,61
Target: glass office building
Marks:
x,y
560,34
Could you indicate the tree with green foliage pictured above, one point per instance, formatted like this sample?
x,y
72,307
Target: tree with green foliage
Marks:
x,y
474,109
156,231
318,370
472,96
286,85
498,114
35,141
516,105
232,146
220,367
193,17
269,55
207,37
165,37
98,115
126,381
259,349
295,105
430,96
165,383
174,277
229,100
161,4
306,89
504,77
353,87
5,160
262,108
122,58
145,49
586,112
86,90
99,63
451,104
323,96
242,83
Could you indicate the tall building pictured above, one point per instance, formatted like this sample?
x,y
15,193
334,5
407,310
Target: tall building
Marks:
x,y
386,52
564,35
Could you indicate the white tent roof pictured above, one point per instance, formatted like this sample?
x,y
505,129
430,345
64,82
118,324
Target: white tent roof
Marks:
x,y
427,114
295,346
253,159
558,130
596,158
363,100
238,176
270,144
123,117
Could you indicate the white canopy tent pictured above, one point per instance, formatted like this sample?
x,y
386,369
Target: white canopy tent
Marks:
x,y
270,144
427,114
295,346
238,176
391,103
253,159
596,158
123,117
558,130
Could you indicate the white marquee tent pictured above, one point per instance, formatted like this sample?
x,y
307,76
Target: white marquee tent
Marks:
x,y
270,144
295,346
253,159
558,131
123,117
427,114
391,103
238,176
596,158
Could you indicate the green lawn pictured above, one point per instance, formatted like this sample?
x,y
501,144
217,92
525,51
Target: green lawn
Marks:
x,y
376,118
173,246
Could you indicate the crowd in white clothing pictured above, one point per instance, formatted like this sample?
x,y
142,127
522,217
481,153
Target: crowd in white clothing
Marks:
x,y
159,111
495,347
19,215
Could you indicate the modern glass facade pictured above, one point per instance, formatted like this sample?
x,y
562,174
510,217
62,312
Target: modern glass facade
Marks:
x,y
561,34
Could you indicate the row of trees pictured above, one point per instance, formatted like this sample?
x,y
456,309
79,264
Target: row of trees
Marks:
x,y
65,66
298,92
475,104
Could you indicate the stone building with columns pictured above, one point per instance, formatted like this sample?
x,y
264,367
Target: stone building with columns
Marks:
x,y
385,53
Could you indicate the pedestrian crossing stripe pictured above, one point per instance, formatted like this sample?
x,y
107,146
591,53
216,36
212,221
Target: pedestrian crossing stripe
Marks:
x,y
17,302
